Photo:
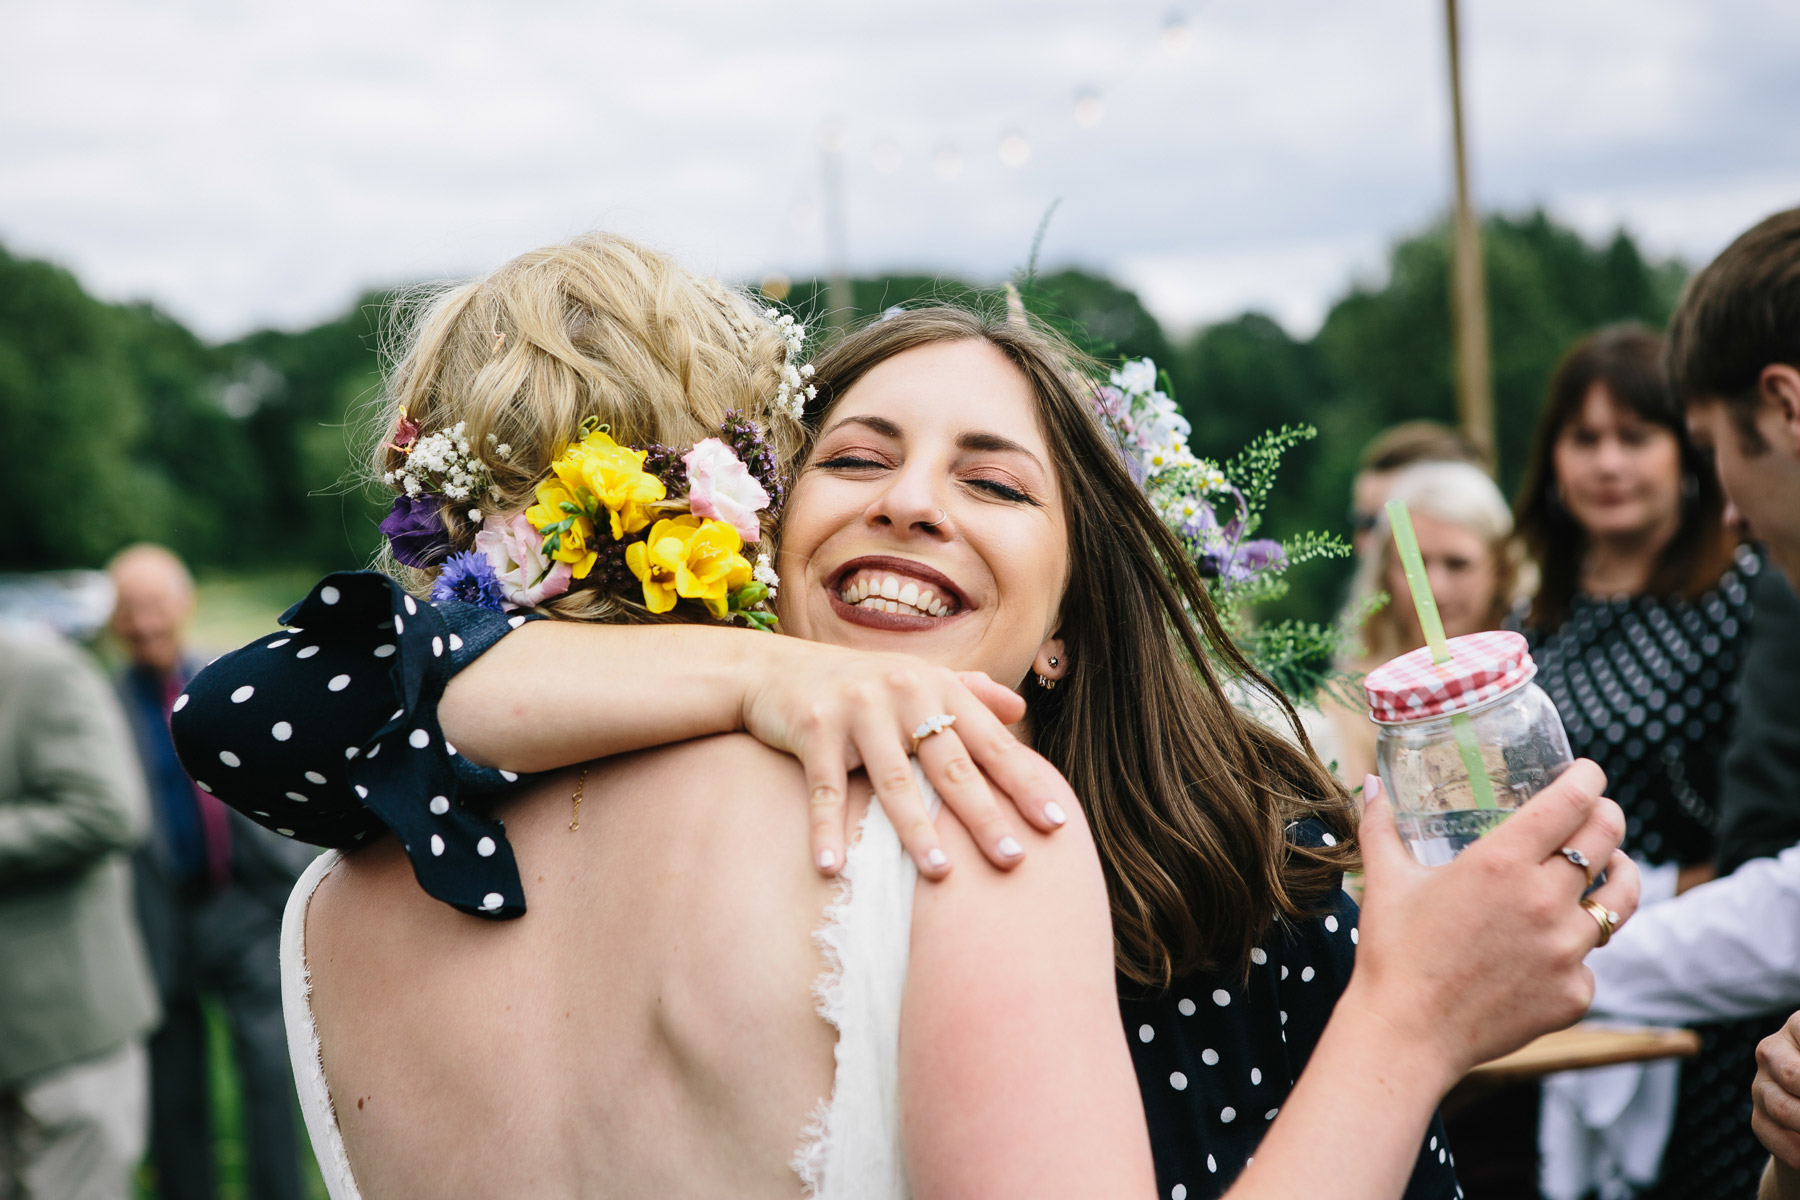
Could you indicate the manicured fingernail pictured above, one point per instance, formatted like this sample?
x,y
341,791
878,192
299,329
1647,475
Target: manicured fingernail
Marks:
x,y
937,860
1053,813
1009,847
827,859
1371,786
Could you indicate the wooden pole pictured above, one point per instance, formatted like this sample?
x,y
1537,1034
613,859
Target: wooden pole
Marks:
x,y
1468,289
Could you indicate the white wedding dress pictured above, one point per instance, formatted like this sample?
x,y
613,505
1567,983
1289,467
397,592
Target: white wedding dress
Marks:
x,y
851,1148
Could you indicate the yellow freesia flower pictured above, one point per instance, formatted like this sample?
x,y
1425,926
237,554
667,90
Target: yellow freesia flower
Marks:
x,y
689,558
614,476
576,542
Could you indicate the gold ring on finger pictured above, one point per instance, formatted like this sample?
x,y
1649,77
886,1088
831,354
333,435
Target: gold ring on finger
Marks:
x,y
931,725
1606,918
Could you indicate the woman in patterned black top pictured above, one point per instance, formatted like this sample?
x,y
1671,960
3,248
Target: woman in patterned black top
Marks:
x,y
1267,979
1637,629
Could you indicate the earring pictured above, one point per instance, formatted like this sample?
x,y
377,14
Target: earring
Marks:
x,y
1045,682
1053,660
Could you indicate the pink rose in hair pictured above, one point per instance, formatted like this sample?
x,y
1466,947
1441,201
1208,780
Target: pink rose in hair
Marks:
x,y
720,486
527,575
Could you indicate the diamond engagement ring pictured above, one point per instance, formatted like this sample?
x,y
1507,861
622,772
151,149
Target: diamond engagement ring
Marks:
x,y
929,726
1606,918
1581,860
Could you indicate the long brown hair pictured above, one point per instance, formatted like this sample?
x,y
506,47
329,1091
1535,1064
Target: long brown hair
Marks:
x,y
1627,360
1188,798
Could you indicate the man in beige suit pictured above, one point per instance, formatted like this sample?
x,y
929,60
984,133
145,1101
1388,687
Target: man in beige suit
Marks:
x,y
75,991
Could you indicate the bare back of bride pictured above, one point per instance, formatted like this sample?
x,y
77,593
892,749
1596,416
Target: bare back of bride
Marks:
x,y
650,1029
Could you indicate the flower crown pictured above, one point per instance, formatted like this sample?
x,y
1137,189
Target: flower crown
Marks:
x,y
670,526
1186,490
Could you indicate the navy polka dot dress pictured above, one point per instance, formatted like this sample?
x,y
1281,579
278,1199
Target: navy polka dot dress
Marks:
x,y
1647,687
1217,1053
327,733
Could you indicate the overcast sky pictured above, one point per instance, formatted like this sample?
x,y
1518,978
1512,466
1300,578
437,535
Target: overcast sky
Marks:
x,y
250,164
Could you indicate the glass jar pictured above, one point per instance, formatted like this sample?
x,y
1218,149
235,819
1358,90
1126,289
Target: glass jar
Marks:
x,y
1462,743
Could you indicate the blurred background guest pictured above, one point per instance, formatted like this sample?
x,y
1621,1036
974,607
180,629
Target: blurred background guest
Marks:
x,y
1465,535
75,995
211,888
1390,452
1638,627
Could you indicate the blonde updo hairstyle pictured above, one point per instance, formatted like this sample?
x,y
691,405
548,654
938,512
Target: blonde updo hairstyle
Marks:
x,y
601,328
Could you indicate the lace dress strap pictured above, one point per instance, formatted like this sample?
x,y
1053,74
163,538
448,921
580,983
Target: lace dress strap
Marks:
x,y
303,1037
852,1145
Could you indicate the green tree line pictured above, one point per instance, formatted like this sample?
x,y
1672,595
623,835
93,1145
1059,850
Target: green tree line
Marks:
x,y
123,425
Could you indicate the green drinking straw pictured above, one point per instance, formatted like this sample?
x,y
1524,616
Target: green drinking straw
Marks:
x,y
1407,542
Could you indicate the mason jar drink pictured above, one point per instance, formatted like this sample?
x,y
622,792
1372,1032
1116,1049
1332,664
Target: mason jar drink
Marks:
x,y
1464,742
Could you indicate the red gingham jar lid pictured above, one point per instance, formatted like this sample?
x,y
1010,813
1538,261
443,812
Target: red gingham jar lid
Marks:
x,y
1482,667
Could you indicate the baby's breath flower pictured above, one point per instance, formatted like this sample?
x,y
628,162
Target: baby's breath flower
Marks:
x,y
765,573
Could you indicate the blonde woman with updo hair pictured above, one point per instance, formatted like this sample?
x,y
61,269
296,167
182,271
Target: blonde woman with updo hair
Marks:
x,y
1464,526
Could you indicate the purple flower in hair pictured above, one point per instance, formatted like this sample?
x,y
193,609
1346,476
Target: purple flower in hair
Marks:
x,y
414,527
470,578
1249,559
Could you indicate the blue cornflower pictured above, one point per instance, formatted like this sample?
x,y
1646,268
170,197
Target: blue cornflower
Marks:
x,y
470,578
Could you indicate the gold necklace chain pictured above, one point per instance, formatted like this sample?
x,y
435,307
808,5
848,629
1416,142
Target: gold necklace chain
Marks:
x,y
575,816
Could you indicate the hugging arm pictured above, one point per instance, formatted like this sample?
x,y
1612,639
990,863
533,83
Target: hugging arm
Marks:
x,y
1457,965
555,693
284,729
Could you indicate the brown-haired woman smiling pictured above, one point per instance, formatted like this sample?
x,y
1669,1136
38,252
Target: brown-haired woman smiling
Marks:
x,y
1637,628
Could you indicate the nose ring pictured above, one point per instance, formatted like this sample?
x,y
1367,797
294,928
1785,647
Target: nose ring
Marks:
x,y
942,517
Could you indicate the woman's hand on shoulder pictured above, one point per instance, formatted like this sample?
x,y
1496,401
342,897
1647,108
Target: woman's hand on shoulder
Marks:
x,y
838,710
1484,954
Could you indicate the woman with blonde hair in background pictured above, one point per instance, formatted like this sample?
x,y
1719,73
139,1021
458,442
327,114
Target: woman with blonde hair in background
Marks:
x,y
1465,535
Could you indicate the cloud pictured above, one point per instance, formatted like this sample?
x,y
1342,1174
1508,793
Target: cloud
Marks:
x,y
248,165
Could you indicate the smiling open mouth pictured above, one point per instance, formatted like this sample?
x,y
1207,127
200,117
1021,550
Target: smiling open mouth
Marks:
x,y
875,589
898,588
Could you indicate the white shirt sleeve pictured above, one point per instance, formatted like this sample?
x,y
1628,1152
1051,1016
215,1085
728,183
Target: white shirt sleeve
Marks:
x,y
1729,948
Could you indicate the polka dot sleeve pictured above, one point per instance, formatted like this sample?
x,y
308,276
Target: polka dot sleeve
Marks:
x,y
327,732
1218,1051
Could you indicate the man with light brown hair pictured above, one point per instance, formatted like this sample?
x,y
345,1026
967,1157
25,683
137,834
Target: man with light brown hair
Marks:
x,y
1732,947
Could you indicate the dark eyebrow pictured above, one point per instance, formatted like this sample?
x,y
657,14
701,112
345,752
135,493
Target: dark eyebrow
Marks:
x,y
881,425
980,443
993,443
